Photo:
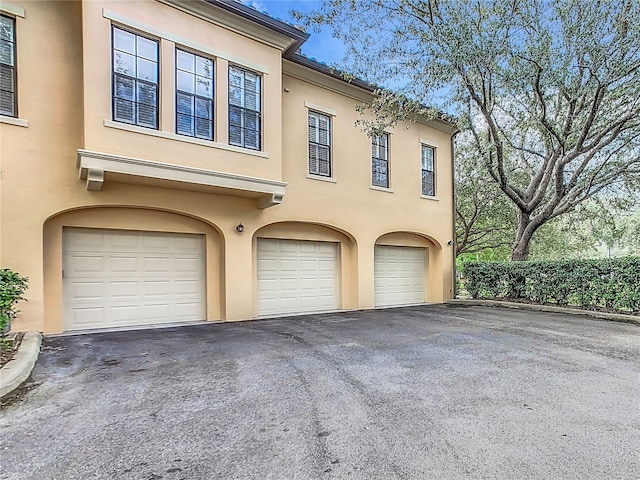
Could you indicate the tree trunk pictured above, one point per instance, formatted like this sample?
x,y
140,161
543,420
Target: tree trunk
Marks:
x,y
520,246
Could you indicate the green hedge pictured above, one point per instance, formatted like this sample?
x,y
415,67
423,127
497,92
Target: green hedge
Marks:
x,y
613,283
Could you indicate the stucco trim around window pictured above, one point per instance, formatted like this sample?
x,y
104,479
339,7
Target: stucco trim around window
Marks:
x,y
320,108
381,189
19,122
182,138
11,9
143,27
94,165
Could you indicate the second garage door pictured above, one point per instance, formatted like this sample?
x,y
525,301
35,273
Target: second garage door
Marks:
x,y
297,276
117,278
399,276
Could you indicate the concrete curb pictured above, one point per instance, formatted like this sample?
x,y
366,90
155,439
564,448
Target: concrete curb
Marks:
x,y
616,317
14,373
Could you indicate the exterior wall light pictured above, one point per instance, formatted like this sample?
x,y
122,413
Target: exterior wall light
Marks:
x,y
450,243
240,228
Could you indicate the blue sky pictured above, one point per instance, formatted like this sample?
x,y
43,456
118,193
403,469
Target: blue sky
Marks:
x,y
321,46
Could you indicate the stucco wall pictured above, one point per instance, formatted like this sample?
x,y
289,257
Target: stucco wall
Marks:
x,y
65,94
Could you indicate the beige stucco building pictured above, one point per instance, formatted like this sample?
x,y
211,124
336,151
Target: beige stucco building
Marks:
x,y
171,161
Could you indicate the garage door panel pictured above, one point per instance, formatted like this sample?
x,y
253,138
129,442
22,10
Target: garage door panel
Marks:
x,y
119,264
123,283
123,289
399,275
85,264
296,276
88,317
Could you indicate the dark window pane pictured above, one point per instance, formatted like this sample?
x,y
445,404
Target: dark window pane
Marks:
x,y
147,115
184,103
7,103
251,139
204,108
6,78
124,87
235,116
235,96
184,124
235,135
147,94
6,53
124,111
204,128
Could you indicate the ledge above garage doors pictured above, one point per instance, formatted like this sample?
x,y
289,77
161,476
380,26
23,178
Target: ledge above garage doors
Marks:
x,y
96,168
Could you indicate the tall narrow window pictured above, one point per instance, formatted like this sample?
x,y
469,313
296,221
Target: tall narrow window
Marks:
x,y
135,79
245,122
8,101
380,160
428,171
194,95
319,144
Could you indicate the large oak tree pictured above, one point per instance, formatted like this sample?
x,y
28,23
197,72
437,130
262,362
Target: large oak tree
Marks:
x,y
550,90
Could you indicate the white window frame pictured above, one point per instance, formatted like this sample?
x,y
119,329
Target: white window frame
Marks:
x,y
195,96
245,111
377,157
135,78
423,170
315,144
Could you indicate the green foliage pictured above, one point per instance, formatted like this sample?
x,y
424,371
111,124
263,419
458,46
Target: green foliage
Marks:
x,y
613,283
12,286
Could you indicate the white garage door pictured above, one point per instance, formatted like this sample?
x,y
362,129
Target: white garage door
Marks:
x,y
297,277
117,278
399,276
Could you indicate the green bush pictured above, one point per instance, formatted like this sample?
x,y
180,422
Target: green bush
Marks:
x,y
613,284
12,286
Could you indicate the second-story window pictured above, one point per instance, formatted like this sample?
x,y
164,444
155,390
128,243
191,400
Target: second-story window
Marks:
x,y
428,171
245,121
380,160
194,95
8,101
135,79
319,144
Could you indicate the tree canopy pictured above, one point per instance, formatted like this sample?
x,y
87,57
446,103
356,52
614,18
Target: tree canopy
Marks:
x,y
549,90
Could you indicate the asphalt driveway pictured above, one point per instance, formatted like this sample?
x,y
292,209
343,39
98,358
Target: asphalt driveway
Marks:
x,y
435,392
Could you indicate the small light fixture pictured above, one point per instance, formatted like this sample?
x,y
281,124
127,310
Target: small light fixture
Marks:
x,y
450,243
240,228
287,89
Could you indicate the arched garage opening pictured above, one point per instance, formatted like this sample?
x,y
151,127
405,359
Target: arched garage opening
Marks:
x,y
407,270
110,267
303,268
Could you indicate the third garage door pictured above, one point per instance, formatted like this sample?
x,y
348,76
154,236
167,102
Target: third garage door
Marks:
x,y
399,276
297,276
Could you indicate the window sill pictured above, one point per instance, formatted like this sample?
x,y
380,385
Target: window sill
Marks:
x,y
429,197
183,138
321,178
380,189
19,122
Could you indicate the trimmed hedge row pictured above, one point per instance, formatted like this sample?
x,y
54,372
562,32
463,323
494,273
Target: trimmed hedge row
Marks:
x,y
613,283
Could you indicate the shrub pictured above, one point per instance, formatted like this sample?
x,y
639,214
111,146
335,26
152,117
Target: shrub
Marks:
x,y
12,286
609,283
